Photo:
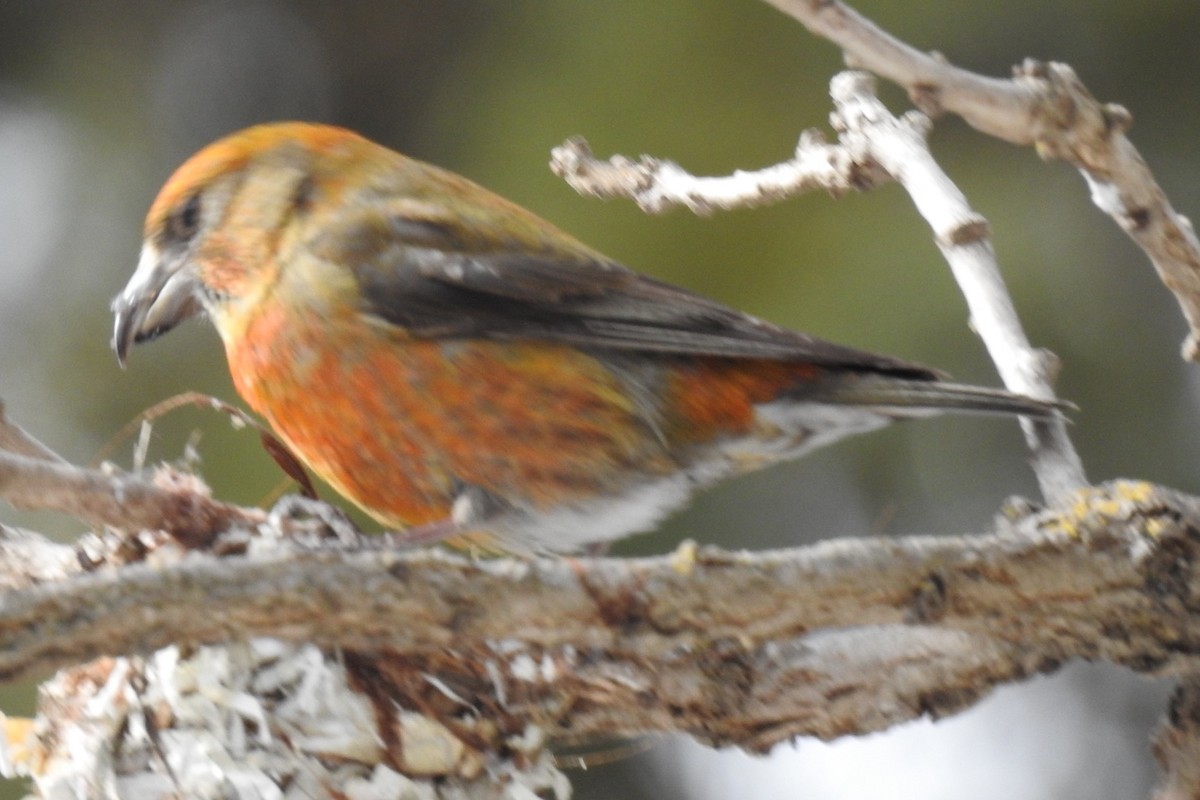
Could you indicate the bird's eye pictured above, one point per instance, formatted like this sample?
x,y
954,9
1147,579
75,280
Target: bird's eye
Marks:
x,y
184,223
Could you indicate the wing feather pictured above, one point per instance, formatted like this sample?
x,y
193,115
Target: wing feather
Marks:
x,y
509,276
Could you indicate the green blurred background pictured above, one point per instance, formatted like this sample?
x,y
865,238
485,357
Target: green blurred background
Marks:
x,y
99,101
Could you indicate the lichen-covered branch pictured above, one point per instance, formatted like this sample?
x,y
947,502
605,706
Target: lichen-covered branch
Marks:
x,y
738,648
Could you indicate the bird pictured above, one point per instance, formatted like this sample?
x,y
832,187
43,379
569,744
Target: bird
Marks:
x,y
457,366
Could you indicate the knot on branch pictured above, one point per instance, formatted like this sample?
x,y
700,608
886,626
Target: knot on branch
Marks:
x,y
574,162
1069,123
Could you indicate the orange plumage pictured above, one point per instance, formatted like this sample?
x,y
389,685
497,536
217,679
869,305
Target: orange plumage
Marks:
x,y
451,362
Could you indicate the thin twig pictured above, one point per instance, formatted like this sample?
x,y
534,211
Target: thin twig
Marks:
x,y
657,185
870,133
15,439
120,500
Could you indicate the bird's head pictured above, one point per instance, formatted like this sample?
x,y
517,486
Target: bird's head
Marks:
x,y
211,234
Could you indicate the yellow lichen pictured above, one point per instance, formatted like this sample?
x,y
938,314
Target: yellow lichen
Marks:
x,y
683,560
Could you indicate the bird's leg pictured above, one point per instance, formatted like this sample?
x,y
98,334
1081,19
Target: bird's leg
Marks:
x,y
425,534
473,507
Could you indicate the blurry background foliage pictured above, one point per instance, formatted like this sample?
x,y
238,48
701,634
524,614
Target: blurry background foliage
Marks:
x,y
99,101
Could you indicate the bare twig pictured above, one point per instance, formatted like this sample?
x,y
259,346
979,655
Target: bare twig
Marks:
x,y
125,501
272,444
657,185
1048,107
869,133
15,439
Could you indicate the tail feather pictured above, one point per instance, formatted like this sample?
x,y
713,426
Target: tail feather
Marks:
x,y
912,397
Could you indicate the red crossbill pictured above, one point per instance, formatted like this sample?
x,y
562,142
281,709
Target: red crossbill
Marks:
x,y
450,362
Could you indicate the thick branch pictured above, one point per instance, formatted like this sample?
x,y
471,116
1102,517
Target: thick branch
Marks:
x,y
845,636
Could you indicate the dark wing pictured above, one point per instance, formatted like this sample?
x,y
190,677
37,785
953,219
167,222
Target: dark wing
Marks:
x,y
442,278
